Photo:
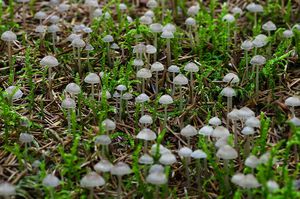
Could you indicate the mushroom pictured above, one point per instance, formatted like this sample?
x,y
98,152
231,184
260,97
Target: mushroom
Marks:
x,y
121,88
188,131
167,158
50,62
103,140
9,37
198,155
13,93
103,166
185,153
73,89
92,78
79,44
173,69
269,26
292,102
142,98
247,46
146,120
157,178
155,29
146,135
165,100
51,181
168,35
90,181
257,61
252,161
190,23
144,74
229,93
108,125
259,41
53,29
191,68
254,8
108,39
120,169
229,19
180,80
7,190
234,117
40,15
70,105
157,67
247,131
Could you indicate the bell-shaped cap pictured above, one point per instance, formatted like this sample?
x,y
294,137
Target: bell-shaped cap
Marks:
x,y
215,121
190,21
146,20
157,178
120,169
40,15
26,138
287,34
260,41
78,43
165,100
151,49
102,140
227,153
7,190
53,28
247,130
156,168
167,159
121,88
8,36
173,69
206,130
185,152
108,39
157,66
228,92
40,29
142,98
51,181
109,125
233,115
146,134
167,34
191,67
73,88
199,154
232,78
258,60
54,19
146,120
188,131
49,61
252,161
237,10
292,101
92,180
13,92
156,27
229,18
245,113
103,166
146,159
269,26
92,78
247,45
169,27
152,4
180,79
255,8
144,73
193,10
253,122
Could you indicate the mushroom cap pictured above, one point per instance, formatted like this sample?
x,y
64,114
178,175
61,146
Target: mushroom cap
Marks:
x,y
157,178
97,13
40,29
7,189
149,13
185,152
68,103
91,3
188,131
247,45
40,15
122,6
258,60
121,87
269,26
51,181
107,94
199,154
238,178
222,141
206,130
78,43
152,4
156,168
233,115
165,100
156,27
144,73
127,96
120,169
87,30
169,27
228,92
215,121
287,34
247,130
92,78
250,181
53,28
252,161
73,88
108,39
102,140
8,36
229,18
109,125
146,134
295,121
167,159
26,138
264,158
138,62
173,69
227,153
167,34
49,61
73,36
63,7
91,180
190,21
146,20
191,67
253,122
193,10
272,185
245,113
54,19
260,41
236,10
161,149
157,66
88,47
146,159
13,92
146,119
253,7
232,78
292,101
142,98
180,79
103,166
151,49
139,48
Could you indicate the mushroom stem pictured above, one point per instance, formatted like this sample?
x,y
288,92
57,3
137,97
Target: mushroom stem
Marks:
x,y
69,120
257,81
228,36
198,175
229,107
247,65
269,44
165,116
192,88
255,20
91,196
156,82
108,54
79,62
156,192
92,93
180,98
51,193
226,177
53,41
119,187
173,86
155,45
292,109
247,146
121,106
168,52
143,108
50,82
10,60
187,172
234,129
143,85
